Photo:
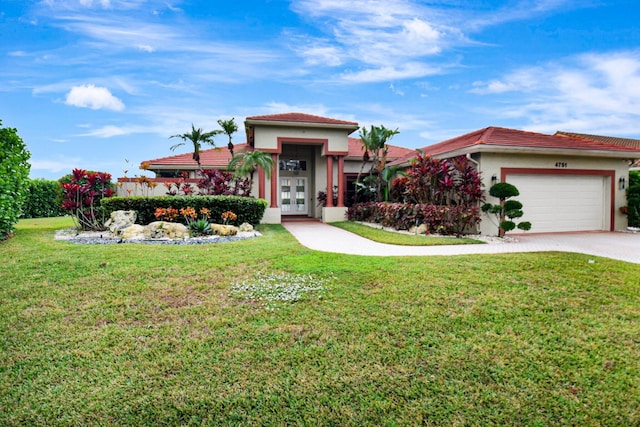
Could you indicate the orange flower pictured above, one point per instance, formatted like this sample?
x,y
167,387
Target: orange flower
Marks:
x,y
188,212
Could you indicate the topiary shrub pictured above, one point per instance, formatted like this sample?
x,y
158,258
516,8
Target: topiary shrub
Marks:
x,y
43,199
14,178
507,210
247,209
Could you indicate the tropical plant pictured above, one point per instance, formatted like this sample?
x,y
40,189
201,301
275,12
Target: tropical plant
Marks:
x,y
247,162
215,182
374,144
82,193
174,188
197,137
444,182
507,210
322,197
447,220
388,173
228,216
444,195
229,127
14,178
632,210
200,227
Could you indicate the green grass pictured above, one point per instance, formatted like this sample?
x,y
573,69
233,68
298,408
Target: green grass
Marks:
x,y
167,335
393,238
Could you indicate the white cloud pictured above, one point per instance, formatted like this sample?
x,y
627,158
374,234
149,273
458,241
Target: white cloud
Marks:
x,y
55,166
594,93
395,90
386,73
108,132
376,33
96,98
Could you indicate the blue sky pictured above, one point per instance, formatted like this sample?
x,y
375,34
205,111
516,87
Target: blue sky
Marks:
x,y
102,84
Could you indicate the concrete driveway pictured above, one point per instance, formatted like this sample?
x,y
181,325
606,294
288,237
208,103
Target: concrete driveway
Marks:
x,y
326,238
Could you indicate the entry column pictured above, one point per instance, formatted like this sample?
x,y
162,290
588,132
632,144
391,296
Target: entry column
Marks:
x,y
275,174
341,183
329,181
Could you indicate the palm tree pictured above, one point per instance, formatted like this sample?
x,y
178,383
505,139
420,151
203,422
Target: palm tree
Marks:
x,y
375,142
229,127
247,162
197,138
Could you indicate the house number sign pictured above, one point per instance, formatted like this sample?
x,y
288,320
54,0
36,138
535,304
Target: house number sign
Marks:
x,y
561,164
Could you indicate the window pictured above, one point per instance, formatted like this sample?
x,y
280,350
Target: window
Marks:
x,y
293,165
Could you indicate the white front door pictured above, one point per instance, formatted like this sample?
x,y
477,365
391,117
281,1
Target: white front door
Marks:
x,y
293,196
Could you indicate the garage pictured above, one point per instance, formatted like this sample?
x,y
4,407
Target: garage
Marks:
x,y
555,203
566,183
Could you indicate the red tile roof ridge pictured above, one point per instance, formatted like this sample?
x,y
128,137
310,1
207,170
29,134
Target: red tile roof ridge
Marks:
x,y
300,118
625,142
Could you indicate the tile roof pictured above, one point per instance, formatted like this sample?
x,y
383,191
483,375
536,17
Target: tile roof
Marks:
x,y
219,157
355,150
210,158
300,118
623,142
498,138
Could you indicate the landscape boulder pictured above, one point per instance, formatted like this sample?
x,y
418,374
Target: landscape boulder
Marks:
x,y
421,229
245,227
163,229
224,230
119,220
135,231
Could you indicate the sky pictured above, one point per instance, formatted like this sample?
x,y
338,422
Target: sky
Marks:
x,y
103,84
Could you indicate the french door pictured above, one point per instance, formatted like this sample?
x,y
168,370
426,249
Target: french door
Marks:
x,y
293,196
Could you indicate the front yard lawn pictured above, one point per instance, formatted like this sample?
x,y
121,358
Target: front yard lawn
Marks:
x,y
171,335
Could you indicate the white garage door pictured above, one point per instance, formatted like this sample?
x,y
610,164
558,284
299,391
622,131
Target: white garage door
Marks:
x,y
562,202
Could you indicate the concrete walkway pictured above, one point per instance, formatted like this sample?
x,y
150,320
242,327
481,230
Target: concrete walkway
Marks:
x,y
326,238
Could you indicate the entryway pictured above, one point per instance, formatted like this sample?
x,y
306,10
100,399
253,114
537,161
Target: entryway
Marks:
x,y
294,196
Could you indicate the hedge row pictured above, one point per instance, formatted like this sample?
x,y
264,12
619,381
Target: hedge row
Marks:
x,y
247,209
14,178
449,220
43,199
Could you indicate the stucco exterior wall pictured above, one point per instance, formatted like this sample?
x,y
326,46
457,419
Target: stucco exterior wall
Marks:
x,y
351,166
493,163
266,137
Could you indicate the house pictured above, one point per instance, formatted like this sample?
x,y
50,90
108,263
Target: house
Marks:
x,y
311,154
566,183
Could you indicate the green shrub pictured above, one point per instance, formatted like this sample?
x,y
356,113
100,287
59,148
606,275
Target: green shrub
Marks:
x,y
43,199
633,199
14,178
247,209
448,220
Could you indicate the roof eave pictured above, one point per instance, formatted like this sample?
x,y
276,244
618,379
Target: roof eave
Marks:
x,y
284,123
486,148
184,166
